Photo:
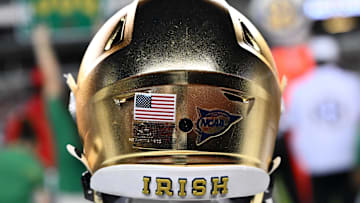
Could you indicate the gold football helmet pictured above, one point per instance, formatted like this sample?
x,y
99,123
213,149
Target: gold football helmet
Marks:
x,y
178,100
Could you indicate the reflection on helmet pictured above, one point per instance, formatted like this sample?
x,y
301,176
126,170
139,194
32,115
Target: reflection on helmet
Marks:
x,y
178,100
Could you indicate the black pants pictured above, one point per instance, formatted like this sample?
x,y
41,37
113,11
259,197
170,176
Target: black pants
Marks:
x,y
333,187
285,169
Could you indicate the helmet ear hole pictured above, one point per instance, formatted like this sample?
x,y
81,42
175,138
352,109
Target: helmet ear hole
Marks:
x,y
117,36
248,38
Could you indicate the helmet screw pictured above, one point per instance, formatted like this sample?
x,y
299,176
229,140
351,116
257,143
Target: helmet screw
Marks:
x,y
185,125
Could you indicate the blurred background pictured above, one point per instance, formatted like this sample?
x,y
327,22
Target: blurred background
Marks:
x,y
316,46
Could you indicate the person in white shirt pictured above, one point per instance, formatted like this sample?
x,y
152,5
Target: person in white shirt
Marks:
x,y
323,115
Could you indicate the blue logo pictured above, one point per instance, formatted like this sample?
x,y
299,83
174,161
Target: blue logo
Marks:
x,y
213,124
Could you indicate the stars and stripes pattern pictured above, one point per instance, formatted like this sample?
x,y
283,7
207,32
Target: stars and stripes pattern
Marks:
x,y
155,107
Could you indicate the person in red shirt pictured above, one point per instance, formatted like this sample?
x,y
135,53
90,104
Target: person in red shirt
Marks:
x,y
33,110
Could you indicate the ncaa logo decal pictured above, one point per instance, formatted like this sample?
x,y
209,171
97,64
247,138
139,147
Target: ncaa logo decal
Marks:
x,y
213,124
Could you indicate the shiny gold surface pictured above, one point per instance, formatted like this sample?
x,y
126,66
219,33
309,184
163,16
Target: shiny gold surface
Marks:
x,y
203,51
180,45
249,141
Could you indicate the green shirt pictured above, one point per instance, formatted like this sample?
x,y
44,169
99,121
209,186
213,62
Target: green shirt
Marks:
x,y
20,175
65,131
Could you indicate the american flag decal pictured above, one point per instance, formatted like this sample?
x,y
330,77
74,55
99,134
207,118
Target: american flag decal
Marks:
x,y
155,107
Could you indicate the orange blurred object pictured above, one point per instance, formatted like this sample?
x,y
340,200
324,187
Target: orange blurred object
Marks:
x,y
293,62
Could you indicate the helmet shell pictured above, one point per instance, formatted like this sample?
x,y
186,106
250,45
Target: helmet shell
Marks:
x,y
205,57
